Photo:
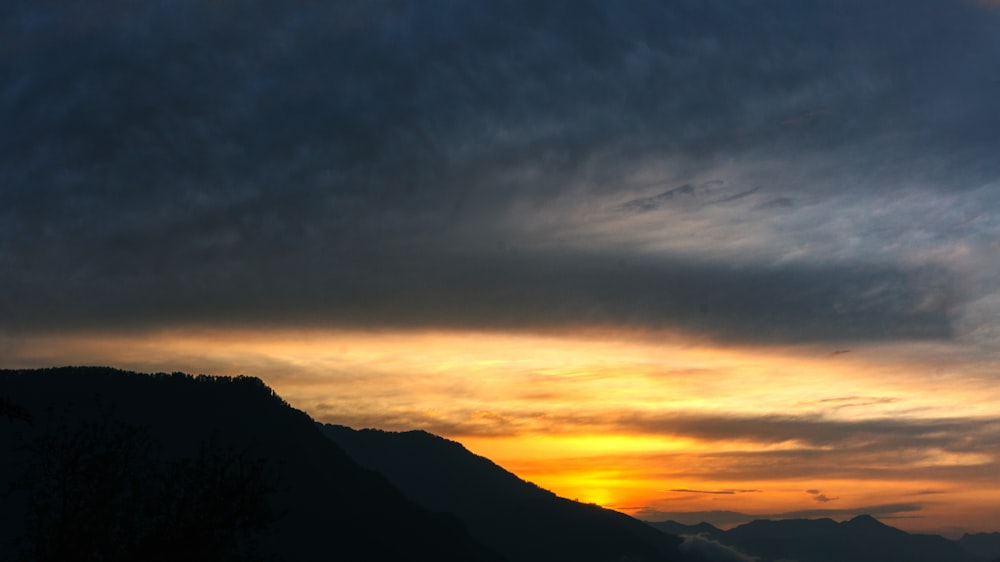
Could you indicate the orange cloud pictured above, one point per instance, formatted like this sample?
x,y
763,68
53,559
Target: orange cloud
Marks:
x,y
634,421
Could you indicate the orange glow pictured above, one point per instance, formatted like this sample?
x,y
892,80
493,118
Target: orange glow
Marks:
x,y
613,419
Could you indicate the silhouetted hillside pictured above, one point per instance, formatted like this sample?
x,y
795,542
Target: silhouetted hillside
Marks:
x,y
862,539
517,518
983,545
102,464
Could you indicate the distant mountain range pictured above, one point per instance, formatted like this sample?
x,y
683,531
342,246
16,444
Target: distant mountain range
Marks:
x,y
103,464
862,539
527,523
984,545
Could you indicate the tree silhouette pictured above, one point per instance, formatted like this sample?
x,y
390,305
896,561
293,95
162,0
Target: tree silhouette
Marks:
x,y
98,492
116,465
13,412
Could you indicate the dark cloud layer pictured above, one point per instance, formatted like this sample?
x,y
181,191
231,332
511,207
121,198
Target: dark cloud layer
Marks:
x,y
497,291
816,445
817,436
356,163
890,449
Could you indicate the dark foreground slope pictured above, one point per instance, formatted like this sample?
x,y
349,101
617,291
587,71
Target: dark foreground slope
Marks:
x,y
862,539
518,519
111,465
983,545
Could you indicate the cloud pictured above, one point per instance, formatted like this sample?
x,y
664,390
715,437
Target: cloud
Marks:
x,y
857,401
732,518
772,448
881,510
357,163
811,432
394,287
645,204
820,497
687,196
730,491
927,492
713,551
747,448
737,196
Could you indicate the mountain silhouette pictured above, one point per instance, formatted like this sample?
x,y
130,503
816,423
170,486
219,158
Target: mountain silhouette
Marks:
x,y
674,528
110,465
516,518
983,545
862,539
103,464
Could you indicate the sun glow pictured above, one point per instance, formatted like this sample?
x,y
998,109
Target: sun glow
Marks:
x,y
644,422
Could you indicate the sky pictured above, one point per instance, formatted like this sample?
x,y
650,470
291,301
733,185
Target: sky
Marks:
x,y
689,259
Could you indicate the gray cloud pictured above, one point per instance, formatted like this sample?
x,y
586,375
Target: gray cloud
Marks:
x,y
731,518
729,492
815,447
886,449
644,204
688,197
959,435
820,497
356,163
814,464
408,287
927,492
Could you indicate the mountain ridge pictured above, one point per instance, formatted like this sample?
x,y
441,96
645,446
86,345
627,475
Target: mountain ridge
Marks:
x,y
264,478
192,436
861,539
517,518
984,545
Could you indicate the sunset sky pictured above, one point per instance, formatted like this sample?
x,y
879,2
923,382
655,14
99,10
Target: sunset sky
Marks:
x,y
691,260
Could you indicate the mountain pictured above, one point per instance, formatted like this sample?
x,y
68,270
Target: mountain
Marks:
x,y
983,545
517,518
675,528
102,464
862,539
